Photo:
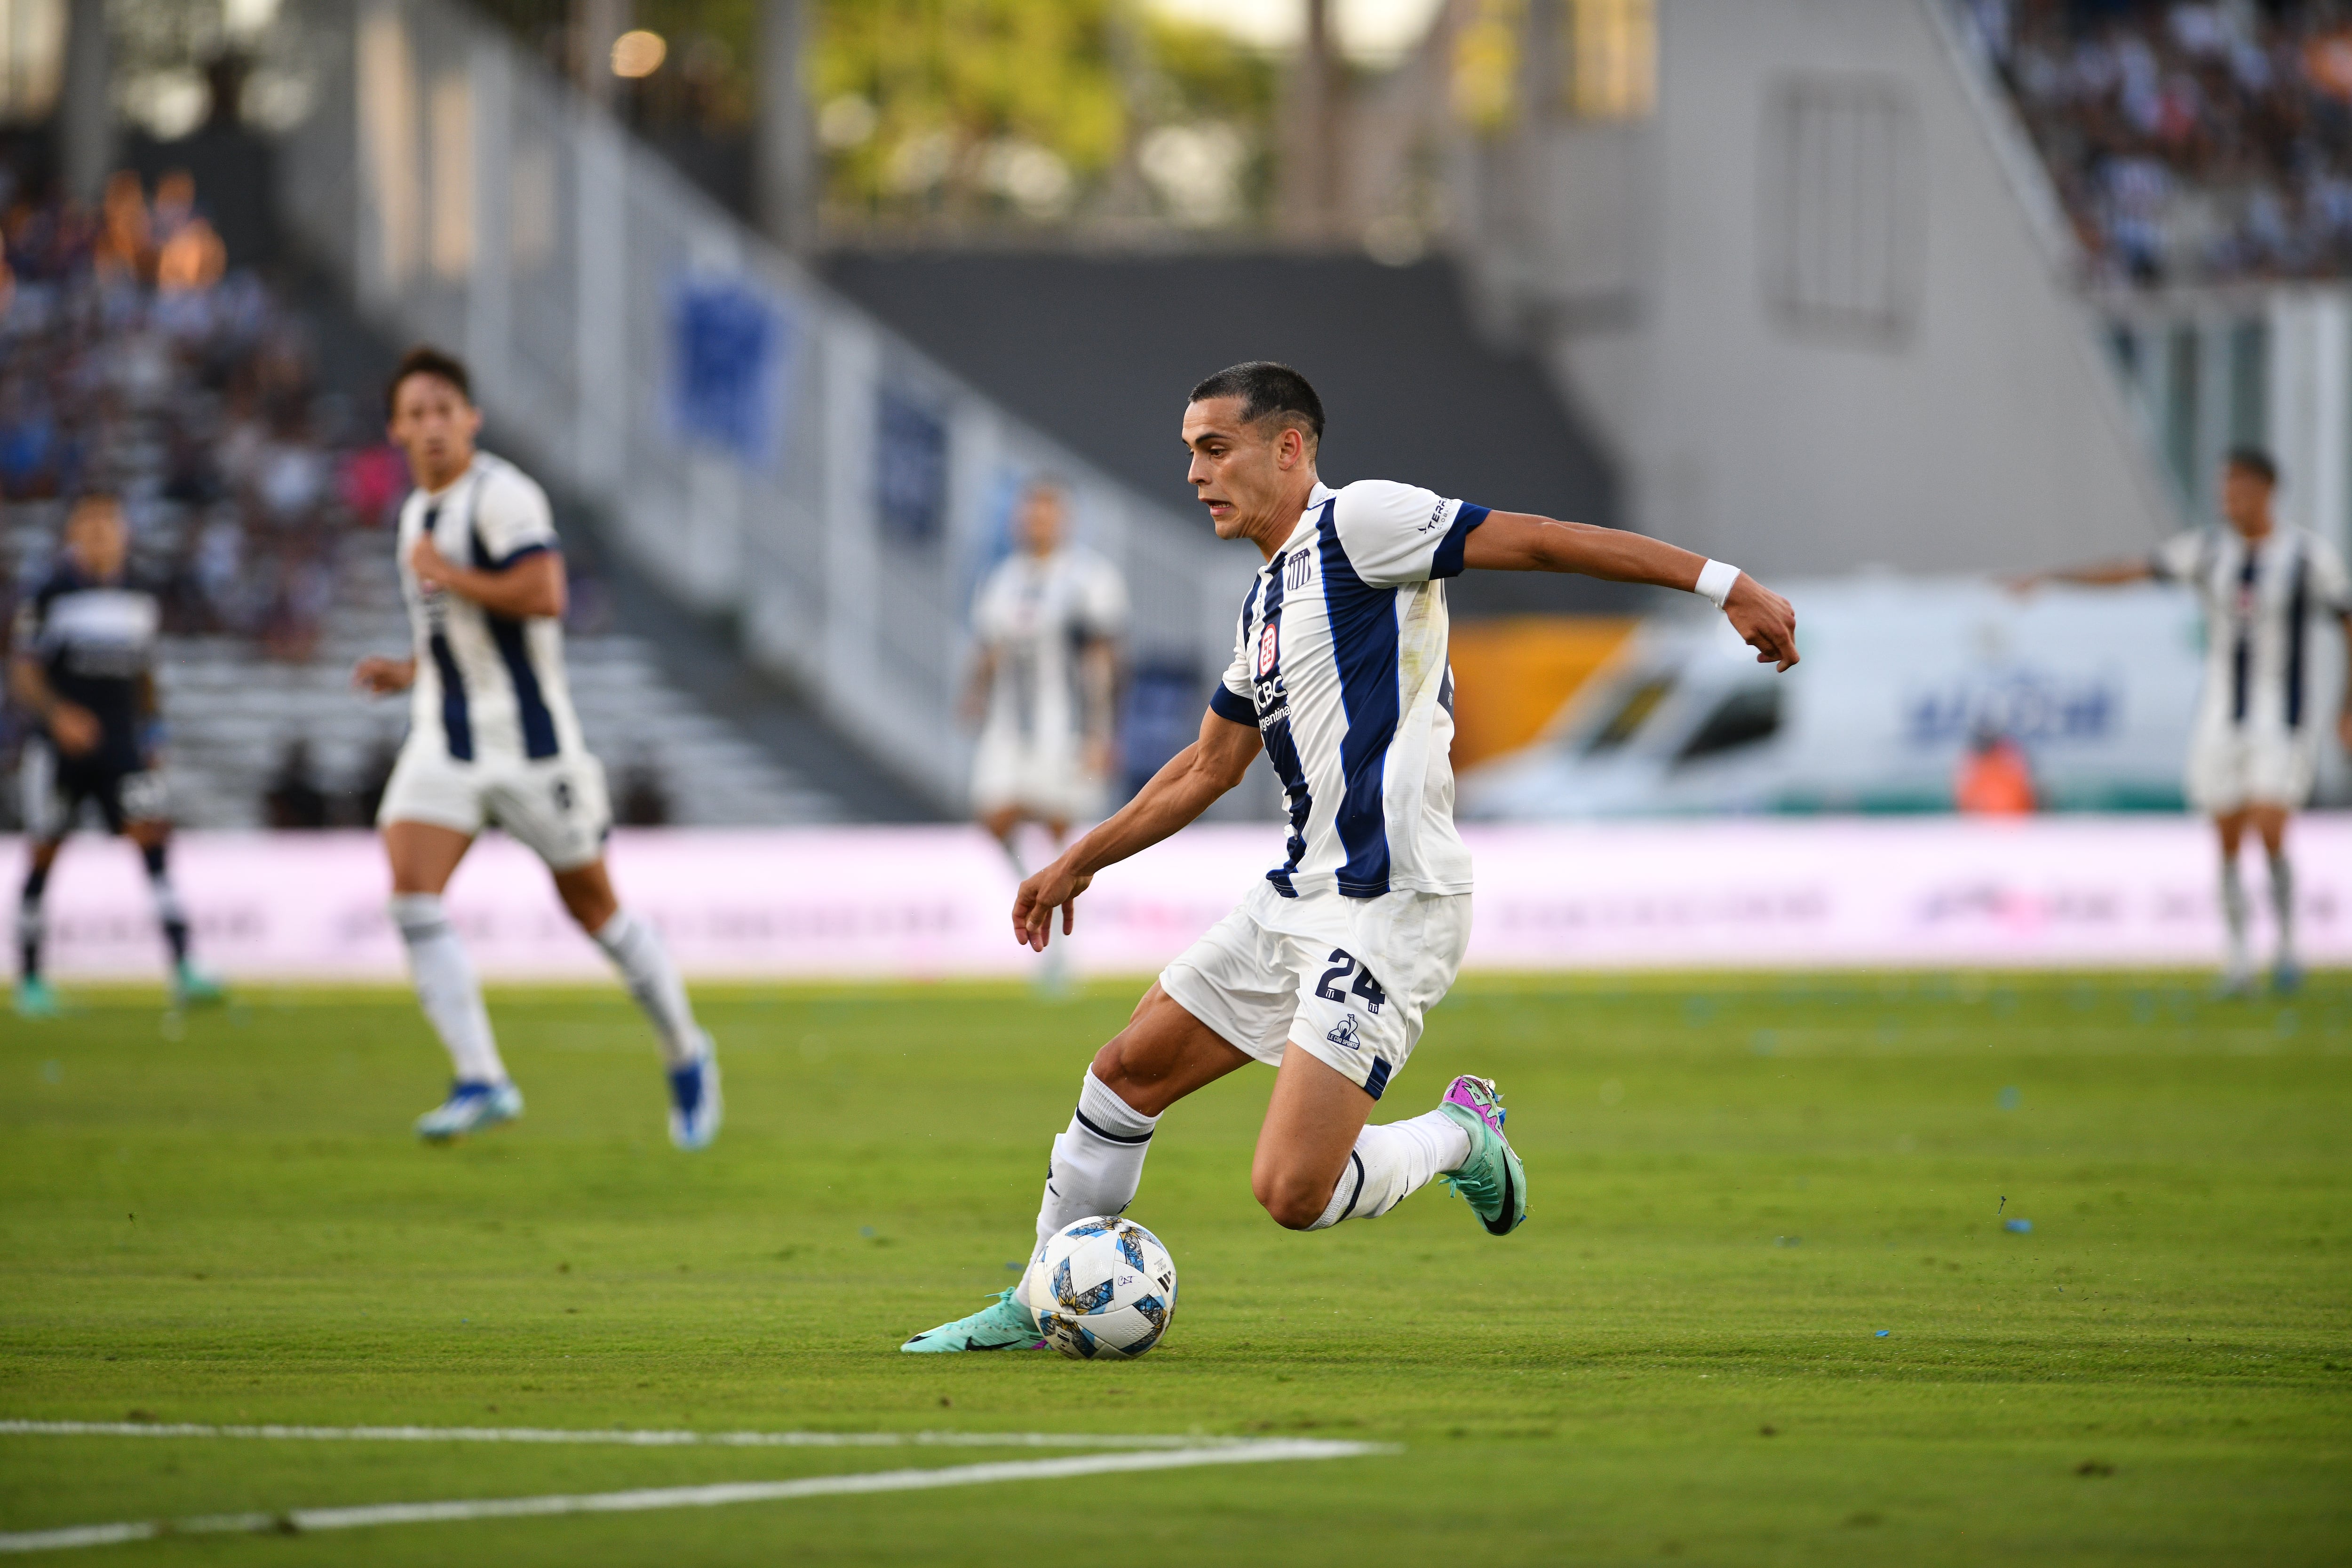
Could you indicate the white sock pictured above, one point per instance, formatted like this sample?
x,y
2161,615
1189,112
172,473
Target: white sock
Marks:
x,y
2233,915
446,988
1392,1161
2283,904
652,979
1098,1163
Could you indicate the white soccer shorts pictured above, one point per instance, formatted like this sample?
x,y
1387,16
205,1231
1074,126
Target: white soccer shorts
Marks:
x,y
1041,777
556,806
1346,980
2232,767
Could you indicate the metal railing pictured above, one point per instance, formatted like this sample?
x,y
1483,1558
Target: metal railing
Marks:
x,y
762,448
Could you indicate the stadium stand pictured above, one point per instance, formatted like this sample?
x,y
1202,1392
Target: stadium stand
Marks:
x,y
137,358
2189,143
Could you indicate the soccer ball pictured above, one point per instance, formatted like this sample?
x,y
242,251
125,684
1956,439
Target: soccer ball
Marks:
x,y
1101,1289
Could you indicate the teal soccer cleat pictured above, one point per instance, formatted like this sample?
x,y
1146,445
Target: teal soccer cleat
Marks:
x,y
1004,1324
1491,1181
35,999
470,1108
192,987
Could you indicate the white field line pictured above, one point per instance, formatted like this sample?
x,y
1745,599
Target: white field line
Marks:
x,y
617,1436
1262,1451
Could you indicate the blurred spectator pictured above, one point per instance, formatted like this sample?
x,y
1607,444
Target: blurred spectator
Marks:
x,y
644,802
1996,778
2189,143
294,798
131,356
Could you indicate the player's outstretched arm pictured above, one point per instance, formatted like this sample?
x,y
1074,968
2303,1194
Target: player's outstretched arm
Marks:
x,y
2098,574
1194,778
1521,542
533,585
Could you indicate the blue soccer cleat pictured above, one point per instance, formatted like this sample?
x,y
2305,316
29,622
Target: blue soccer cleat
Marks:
x,y
1004,1324
694,1103
470,1108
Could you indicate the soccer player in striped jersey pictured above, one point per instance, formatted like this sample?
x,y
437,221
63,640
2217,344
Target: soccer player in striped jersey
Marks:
x,y
2253,750
492,739
1327,968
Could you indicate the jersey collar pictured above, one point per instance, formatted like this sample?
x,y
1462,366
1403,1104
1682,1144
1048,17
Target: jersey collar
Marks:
x,y
1315,500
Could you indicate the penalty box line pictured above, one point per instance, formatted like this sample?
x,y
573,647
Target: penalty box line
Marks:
x,y
1259,1451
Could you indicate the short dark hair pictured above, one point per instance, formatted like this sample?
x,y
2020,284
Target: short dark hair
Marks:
x,y
426,360
2255,461
1266,389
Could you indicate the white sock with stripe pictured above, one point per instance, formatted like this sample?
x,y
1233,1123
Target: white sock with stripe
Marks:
x,y
2233,916
1392,1161
645,969
1098,1160
446,988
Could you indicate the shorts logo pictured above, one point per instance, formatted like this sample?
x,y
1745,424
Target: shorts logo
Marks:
x,y
1269,647
1345,1033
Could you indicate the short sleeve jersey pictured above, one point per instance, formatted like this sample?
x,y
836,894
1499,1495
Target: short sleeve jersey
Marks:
x,y
488,685
1037,615
1340,660
95,642
2259,601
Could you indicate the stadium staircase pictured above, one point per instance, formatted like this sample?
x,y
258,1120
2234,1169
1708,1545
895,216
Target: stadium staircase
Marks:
x,y
235,711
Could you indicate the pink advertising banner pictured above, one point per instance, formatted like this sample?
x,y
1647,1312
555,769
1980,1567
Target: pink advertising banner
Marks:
x,y
932,902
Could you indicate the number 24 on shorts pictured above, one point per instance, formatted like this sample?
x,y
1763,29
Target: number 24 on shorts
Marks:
x,y
1343,964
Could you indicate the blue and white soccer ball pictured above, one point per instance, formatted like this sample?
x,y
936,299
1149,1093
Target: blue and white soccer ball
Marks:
x,y
1101,1289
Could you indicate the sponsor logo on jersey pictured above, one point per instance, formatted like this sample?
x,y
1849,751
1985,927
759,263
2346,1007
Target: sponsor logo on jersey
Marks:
x,y
1269,647
1436,519
1344,1033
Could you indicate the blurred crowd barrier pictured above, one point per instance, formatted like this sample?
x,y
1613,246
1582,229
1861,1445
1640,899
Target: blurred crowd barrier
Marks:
x,y
832,904
766,450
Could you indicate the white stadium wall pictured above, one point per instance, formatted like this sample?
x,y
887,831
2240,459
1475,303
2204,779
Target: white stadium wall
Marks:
x,y
1819,301
830,905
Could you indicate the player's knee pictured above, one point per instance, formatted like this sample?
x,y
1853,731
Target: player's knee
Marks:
x,y
1291,1199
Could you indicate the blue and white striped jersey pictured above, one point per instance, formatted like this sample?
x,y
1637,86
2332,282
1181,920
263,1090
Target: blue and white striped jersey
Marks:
x,y
2260,669
486,685
1339,660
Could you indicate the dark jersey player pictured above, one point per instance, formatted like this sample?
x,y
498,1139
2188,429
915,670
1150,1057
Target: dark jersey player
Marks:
x,y
82,664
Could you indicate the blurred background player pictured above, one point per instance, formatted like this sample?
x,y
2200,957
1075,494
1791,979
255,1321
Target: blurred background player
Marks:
x,y
492,739
2254,747
1044,686
83,666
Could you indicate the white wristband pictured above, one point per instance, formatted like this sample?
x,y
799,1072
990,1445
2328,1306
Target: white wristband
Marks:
x,y
1715,581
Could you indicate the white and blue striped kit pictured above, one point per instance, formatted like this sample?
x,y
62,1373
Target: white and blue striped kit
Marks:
x,y
2261,671
489,686
1339,660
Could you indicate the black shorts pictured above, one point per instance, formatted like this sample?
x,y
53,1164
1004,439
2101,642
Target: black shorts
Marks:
x,y
54,787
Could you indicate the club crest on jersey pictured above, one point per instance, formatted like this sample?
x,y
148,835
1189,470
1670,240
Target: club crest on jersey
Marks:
x,y
1269,647
1344,1033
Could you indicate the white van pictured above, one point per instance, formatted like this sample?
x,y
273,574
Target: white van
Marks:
x,y
2098,686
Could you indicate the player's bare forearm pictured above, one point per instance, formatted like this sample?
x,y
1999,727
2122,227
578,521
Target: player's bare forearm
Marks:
x,y
1522,541
1098,679
533,585
29,685
983,676
1177,794
2097,575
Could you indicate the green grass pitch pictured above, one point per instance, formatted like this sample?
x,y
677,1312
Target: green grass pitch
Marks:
x,y
1737,1184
